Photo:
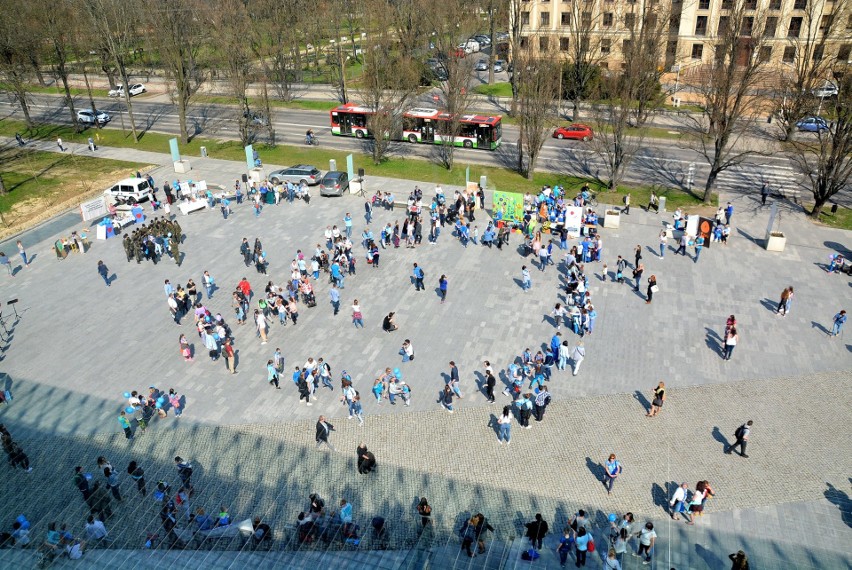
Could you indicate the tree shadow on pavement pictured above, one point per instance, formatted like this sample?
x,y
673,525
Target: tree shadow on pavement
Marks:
x,y
710,558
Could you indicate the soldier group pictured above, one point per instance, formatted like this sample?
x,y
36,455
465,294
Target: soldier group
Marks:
x,y
152,240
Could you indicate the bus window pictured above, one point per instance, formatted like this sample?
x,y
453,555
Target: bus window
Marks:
x,y
335,120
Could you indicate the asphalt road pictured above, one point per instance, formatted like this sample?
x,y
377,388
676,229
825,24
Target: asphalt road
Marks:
x,y
659,161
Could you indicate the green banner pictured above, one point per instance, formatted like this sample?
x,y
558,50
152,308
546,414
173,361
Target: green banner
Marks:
x,y
509,204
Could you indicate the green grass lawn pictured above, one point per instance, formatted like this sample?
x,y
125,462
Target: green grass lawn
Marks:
x,y
841,219
501,89
405,168
41,184
57,89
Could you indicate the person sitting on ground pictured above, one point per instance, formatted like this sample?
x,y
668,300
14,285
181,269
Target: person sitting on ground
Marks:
x,y
262,532
203,520
388,324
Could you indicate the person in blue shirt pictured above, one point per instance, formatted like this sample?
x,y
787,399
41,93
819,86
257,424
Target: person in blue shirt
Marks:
x,y
837,326
347,220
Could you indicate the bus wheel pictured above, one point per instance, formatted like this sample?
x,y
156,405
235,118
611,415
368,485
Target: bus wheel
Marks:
x,y
359,134
468,144
412,138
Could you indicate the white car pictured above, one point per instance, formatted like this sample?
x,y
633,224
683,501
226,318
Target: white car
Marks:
x,y
89,117
470,46
827,90
135,89
128,190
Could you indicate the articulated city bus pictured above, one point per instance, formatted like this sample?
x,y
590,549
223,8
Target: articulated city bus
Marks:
x,y
422,125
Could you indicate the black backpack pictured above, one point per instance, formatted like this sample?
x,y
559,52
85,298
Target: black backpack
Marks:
x,y
739,432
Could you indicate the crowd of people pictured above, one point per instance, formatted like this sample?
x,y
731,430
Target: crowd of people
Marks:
x,y
328,266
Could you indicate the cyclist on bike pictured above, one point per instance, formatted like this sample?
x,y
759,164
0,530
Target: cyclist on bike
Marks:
x,y
309,136
585,193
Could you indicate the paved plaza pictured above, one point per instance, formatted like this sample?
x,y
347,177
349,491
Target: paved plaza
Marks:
x,y
78,346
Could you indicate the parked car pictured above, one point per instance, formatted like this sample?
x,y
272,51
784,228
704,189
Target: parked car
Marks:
x,y
574,132
812,125
483,40
296,174
334,183
827,90
135,89
482,65
89,117
501,36
470,46
128,190
499,66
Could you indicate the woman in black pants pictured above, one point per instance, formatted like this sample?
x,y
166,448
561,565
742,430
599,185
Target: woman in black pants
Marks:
x,y
652,284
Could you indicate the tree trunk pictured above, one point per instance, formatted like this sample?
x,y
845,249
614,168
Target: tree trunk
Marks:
x,y
37,69
708,186
25,107
3,186
817,209
575,109
63,75
533,158
182,104
91,97
267,111
520,164
123,71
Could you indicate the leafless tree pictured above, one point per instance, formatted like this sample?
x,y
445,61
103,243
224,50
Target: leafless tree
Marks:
x,y
582,70
59,23
232,26
452,23
812,50
389,82
175,31
279,31
16,41
727,89
826,162
408,19
117,24
537,109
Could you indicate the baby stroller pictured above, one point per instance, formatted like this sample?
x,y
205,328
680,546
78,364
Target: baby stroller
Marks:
x,y
452,214
309,299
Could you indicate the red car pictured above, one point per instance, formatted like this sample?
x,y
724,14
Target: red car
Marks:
x,y
575,132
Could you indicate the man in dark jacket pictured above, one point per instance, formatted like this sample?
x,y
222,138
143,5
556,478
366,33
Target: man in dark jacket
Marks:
x,y
366,459
536,530
323,430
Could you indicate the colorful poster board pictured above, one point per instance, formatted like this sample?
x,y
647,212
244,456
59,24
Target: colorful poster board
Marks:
x,y
510,206
573,221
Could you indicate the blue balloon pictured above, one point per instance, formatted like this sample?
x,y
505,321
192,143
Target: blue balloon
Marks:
x,y
129,409
612,517
396,371
127,394
160,400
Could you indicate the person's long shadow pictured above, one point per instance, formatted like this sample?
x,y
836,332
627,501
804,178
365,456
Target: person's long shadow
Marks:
x,y
480,381
842,501
713,340
650,249
720,437
661,495
519,282
643,401
597,470
820,326
492,423
769,305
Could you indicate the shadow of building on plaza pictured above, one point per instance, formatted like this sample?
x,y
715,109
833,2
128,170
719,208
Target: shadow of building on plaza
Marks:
x,y
269,471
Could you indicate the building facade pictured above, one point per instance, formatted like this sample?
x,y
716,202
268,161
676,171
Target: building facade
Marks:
x,y
821,29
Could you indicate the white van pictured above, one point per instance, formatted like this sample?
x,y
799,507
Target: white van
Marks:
x,y
128,190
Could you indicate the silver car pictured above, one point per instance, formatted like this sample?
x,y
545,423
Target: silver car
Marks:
x,y
89,117
334,183
306,173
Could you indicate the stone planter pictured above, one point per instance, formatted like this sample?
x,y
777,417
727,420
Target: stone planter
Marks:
x,y
775,241
612,219
182,166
